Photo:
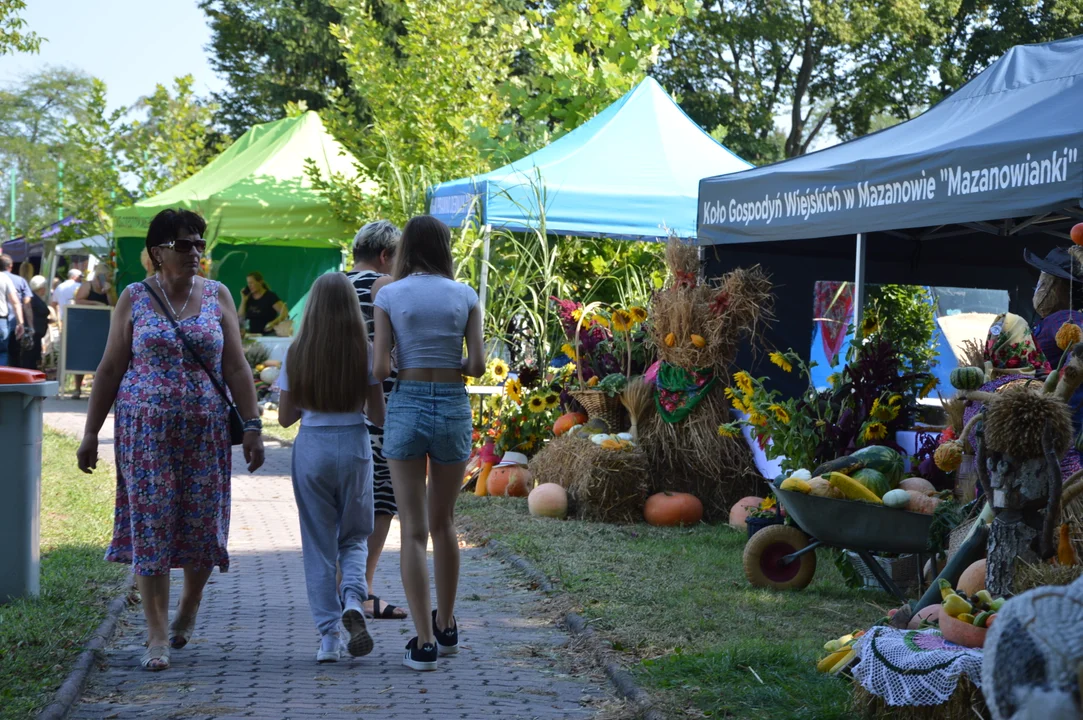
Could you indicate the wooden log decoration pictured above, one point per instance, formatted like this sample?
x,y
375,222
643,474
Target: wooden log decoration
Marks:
x,y
1025,494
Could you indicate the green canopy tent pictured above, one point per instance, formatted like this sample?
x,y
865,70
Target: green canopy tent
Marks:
x,y
261,211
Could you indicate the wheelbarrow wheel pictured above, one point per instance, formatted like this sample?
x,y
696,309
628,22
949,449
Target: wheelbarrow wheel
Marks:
x,y
763,559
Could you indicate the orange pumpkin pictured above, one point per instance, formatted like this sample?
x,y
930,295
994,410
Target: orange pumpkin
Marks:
x,y
502,479
566,422
667,509
973,578
1077,234
548,500
520,481
739,511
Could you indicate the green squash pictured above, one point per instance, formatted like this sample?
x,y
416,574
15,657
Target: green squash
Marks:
x,y
882,459
874,481
967,378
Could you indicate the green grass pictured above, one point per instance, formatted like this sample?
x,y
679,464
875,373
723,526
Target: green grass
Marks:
x,y
40,639
273,430
677,604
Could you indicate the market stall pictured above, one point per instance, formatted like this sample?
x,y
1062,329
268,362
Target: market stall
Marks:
x,y
261,211
992,169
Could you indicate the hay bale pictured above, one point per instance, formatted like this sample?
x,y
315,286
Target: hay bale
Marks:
x,y
966,702
690,456
603,485
1029,576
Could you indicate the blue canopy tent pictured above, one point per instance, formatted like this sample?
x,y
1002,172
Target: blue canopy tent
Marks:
x,y
630,172
950,198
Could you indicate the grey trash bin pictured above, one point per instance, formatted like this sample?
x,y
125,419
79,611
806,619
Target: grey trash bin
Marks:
x,y
20,486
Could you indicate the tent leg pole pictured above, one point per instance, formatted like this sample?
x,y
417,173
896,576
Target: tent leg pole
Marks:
x,y
483,289
859,279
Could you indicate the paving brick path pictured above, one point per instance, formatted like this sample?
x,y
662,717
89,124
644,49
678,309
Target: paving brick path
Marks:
x,y
253,653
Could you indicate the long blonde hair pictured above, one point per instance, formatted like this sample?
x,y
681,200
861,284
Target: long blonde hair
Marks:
x,y
327,364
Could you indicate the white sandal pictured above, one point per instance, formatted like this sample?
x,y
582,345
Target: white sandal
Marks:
x,y
156,658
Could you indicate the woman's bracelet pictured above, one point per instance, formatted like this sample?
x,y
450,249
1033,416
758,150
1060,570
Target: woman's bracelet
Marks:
x,y
254,425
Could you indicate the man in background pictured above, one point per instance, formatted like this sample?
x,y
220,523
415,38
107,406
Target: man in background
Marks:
x,y
11,315
65,291
22,292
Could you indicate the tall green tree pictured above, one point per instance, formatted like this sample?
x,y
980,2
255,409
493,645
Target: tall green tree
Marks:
x,y
747,69
14,37
171,137
33,114
274,52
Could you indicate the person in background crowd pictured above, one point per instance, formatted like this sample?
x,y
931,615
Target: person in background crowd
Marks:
x,y
42,316
373,252
11,316
64,293
148,265
427,316
26,270
98,290
327,384
172,443
260,307
22,291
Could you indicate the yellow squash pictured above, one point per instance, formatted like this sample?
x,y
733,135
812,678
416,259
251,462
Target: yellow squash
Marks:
x,y
797,485
852,489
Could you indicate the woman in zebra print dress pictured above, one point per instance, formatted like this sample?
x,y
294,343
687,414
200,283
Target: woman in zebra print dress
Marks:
x,y
373,253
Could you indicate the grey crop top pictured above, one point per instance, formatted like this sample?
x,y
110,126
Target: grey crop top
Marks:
x,y
428,316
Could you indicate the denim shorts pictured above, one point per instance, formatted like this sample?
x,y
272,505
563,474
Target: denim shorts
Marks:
x,y
428,419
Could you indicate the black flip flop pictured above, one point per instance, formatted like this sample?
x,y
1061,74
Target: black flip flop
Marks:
x,y
388,613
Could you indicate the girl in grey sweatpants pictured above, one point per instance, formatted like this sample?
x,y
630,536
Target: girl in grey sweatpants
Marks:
x,y
325,385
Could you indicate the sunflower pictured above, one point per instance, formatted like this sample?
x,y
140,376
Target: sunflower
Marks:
x,y
568,350
622,321
883,413
768,503
498,369
552,400
593,381
756,419
875,431
833,380
600,321
744,382
738,404
894,399
577,313
928,387
638,314
870,325
514,390
779,359
780,413
536,404
727,431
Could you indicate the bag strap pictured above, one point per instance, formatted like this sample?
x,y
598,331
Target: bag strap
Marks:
x,y
184,340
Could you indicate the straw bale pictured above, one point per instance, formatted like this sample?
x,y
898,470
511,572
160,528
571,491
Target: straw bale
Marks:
x,y
1028,576
690,456
604,485
966,702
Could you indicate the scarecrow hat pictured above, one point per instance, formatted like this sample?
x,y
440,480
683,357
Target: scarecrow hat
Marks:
x,y
1058,263
514,458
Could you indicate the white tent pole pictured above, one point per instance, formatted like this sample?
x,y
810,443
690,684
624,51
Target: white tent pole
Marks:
x,y
859,279
483,289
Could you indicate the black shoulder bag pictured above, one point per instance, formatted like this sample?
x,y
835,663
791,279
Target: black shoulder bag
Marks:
x,y
236,425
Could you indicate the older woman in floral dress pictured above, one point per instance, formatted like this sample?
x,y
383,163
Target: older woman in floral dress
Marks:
x,y
172,431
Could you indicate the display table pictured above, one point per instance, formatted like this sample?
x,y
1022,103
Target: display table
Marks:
x,y
275,345
913,667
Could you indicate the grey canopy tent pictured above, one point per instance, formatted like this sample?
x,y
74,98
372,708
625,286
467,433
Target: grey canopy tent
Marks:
x,y
949,198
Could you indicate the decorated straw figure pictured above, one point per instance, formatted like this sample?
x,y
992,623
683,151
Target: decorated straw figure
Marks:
x,y
697,328
1022,434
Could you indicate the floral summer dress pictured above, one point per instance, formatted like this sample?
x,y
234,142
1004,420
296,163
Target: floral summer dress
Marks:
x,y
172,443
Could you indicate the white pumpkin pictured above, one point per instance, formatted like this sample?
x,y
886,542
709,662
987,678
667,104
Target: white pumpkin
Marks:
x,y
897,498
269,375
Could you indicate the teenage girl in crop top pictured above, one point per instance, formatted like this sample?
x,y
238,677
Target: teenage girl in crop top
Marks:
x,y
426,315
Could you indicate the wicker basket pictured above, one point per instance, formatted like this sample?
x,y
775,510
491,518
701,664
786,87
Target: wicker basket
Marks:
x,y
902,570
599,405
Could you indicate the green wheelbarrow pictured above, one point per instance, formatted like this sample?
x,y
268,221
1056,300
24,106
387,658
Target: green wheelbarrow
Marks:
x,y
783,557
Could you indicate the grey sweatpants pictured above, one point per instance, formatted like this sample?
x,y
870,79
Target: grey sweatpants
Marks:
x,y
332,483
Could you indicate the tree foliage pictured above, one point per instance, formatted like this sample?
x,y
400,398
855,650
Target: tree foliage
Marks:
x,y
14,37
274,52
746,67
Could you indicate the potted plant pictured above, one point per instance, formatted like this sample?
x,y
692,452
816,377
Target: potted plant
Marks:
x,y
760,516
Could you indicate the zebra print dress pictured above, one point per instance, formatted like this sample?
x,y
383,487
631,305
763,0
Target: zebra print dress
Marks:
x,y
383,495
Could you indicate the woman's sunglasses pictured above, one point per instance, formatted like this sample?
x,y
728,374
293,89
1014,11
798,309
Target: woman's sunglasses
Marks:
x,y
185,246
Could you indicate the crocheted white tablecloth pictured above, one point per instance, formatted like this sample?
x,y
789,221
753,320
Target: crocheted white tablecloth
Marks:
x,y
913,667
